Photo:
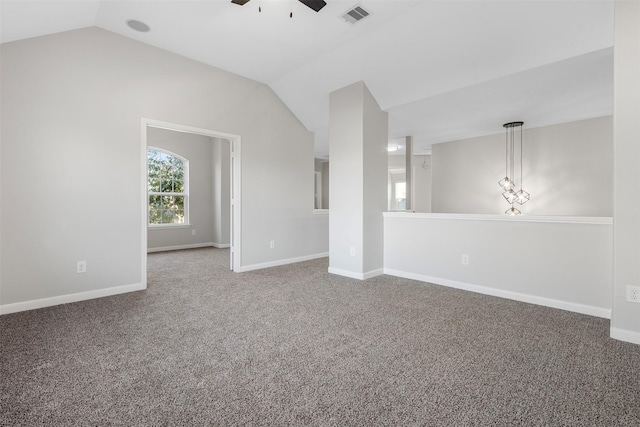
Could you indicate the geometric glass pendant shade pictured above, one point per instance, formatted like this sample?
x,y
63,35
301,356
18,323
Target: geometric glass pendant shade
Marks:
x,y
511,196
506,183
512,211
522,197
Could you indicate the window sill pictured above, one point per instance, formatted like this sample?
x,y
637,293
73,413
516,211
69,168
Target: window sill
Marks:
x,y
321,211
168,226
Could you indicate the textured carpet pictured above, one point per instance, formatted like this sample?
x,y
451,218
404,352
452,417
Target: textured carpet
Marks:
x,y
297,346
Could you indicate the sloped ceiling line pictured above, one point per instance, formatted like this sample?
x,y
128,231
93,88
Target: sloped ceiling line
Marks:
x,y
443,69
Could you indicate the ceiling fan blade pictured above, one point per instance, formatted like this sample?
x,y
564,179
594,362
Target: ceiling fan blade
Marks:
x,y
240,2
314,4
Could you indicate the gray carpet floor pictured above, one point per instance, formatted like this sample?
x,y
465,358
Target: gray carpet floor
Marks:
x,y
296,346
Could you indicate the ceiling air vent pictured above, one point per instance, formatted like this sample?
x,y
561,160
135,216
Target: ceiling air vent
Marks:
x,y
356,14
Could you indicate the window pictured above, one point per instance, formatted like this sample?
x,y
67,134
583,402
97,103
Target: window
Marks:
x,y
167,183
401,196
397,185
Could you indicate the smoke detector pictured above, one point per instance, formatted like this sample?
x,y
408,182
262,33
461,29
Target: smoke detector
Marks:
x,y
355,14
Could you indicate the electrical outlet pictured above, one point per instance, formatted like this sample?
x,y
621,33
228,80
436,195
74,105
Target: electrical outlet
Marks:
x,y
81,267
465,259
193,232
633,294
272,244
352,251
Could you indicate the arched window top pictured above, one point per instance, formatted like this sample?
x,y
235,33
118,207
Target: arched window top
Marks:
x,y
165,153
167,184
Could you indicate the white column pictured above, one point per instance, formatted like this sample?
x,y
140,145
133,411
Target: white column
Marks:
x,y
625,318
410,206
358,137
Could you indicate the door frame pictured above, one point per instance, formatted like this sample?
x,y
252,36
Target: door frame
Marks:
x,y
235,184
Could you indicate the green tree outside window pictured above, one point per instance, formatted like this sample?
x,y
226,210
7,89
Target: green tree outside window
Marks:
x,y
167,187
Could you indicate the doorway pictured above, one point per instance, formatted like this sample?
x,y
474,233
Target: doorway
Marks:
x,y
234,151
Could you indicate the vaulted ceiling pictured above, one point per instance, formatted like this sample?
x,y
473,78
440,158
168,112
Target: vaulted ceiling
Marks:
x,y
443,69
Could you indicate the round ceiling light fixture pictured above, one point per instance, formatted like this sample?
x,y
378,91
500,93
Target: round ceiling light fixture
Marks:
x,y
138,25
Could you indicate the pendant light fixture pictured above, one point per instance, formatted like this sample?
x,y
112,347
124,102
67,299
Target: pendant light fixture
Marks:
x,y
508,183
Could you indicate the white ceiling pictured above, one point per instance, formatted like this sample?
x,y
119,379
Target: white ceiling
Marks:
x,y
443,69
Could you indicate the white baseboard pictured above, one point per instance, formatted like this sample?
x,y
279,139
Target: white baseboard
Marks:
x,y
373,273
346,273
64,299
221,245
625,335
532,299
180,247
354,275
279,262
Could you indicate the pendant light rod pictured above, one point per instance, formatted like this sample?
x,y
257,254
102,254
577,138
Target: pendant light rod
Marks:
x,y
520,158
506,154
512,156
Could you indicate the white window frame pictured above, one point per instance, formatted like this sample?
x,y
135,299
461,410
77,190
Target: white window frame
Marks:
x,y
185,194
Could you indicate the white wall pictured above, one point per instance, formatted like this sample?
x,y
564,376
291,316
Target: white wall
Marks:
x,y
625,323
396,161
72,105
540,260
568,169
422,183
197,149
